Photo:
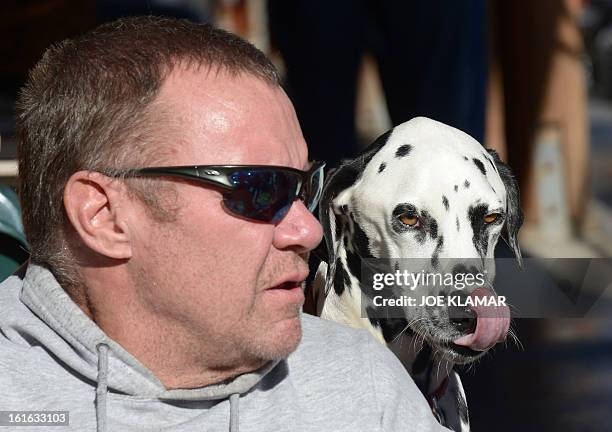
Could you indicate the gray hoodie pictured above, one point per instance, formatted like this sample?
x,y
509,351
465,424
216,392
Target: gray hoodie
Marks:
x,y
54,358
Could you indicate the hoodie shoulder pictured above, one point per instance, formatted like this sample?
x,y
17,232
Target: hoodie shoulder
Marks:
x,y
327,345
316,330
347,364
20,372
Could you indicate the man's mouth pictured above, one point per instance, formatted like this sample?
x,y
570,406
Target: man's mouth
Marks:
x,y
288,286
290,291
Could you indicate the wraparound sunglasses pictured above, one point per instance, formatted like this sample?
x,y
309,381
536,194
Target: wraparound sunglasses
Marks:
x,y
259,192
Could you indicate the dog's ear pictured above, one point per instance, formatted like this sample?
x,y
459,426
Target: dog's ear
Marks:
x,y
513,203
338,181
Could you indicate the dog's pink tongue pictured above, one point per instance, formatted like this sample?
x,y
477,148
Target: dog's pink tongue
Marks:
x,y
491,326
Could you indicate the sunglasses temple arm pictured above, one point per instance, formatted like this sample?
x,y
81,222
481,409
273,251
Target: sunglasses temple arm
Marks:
x,y
213,177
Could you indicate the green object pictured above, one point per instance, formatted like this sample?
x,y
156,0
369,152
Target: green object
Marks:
x,y
13,244
10,215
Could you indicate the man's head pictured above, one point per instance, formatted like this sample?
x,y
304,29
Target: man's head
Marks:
x,y
89,103
154,92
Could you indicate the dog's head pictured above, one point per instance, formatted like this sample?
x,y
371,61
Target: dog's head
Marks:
x,y
429,191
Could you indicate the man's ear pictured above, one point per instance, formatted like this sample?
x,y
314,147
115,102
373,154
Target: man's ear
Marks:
x,y
91,202
514,218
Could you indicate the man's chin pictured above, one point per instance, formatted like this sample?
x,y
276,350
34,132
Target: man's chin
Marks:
x,y
282,340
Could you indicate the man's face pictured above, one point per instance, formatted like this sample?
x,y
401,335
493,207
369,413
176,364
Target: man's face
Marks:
x,y
212,276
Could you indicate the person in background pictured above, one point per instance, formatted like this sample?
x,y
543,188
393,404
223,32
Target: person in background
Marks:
x,y
431,57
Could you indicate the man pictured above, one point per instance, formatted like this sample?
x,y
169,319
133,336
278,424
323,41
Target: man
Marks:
x,y
163,298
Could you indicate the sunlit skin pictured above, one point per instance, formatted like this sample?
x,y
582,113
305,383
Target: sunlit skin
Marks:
x,y
194,299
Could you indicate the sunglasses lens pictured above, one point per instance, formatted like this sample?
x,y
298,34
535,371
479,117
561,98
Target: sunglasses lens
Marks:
x,y
264,195
315,187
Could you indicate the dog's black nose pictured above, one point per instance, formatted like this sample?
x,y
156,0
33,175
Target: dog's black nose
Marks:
x,y
463,318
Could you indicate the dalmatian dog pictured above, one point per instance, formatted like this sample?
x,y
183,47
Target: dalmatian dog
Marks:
x,y
427,194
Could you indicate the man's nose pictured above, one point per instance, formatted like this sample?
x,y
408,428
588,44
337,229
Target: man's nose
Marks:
x,y
298,230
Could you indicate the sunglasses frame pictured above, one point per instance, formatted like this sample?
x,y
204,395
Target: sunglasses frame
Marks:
x,y
219,176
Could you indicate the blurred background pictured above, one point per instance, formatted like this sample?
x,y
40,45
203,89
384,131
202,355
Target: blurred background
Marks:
x,y
530,79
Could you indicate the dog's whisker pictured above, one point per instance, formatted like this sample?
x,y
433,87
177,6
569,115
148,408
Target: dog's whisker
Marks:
x,y
415,324
516,339
512,307
411,323
448,366
400,333
505,241
491,287
438,370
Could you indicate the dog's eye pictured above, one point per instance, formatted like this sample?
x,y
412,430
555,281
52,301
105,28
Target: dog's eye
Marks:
x,y
490,218
409,219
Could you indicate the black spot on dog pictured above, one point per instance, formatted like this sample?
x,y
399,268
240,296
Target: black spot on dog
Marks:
x,y
429,224
445,202
435,257
344,209
382,167
371,151
345,276
391,328
340,277
338,229
456,188
480,166
457,223
465,157
435,261
466,184
476,216
354,263
493,189
361,249
361,241
403,151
